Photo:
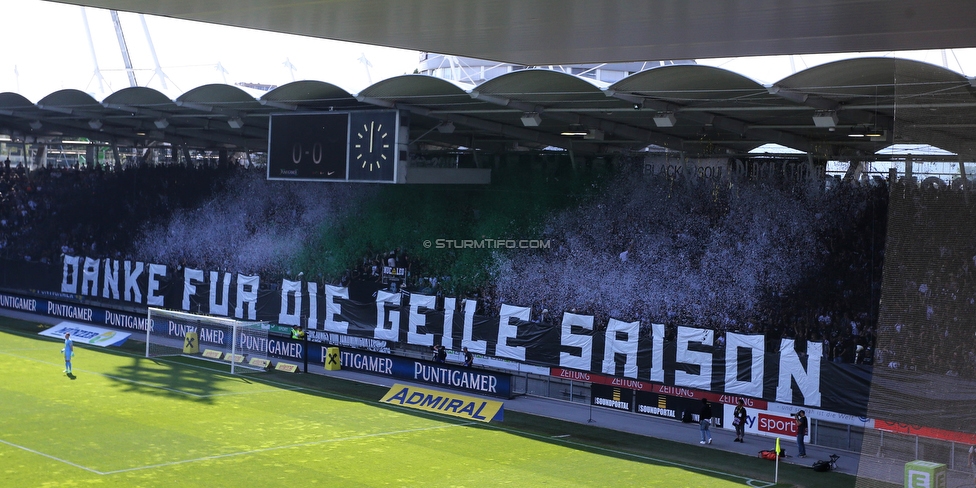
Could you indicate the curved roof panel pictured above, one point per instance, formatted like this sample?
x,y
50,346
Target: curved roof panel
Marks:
x,y
554,85
872,77
311,95
565,99
69,98
307,90
139,96
689,82
10,100
690,108
415,86
425,91
217,94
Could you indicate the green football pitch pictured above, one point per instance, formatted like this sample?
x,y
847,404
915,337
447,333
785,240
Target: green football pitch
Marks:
x,y
125,420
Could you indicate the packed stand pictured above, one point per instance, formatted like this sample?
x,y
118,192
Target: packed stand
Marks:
x,y
48,212
930,283
748,257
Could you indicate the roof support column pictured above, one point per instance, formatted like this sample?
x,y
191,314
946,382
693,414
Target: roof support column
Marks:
x,y
117,156
964,183
854,171
909,177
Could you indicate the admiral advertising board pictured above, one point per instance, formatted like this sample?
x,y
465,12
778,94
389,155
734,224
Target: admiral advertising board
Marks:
x,y
447,403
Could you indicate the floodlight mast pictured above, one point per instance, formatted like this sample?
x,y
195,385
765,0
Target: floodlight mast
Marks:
x,y
124,48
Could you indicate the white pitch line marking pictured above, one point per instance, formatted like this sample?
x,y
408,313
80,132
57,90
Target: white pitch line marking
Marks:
x,y
283,386
117,378
158,387
232,454
699,469
749,481
274,390
290,446
39,453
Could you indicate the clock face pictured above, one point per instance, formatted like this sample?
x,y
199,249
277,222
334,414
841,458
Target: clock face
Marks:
x,y
372,145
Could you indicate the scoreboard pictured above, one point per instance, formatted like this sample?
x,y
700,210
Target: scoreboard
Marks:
x,y
360,146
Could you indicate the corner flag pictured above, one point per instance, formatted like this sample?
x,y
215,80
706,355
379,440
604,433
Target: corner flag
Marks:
x,y
776,476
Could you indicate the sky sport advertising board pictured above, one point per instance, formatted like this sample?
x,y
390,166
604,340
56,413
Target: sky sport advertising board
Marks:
x,y
777,419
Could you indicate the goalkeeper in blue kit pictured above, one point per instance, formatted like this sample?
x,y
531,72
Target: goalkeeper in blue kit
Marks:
x,y
69,351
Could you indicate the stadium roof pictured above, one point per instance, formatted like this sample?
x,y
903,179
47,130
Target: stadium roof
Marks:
x,y
696,109
543,32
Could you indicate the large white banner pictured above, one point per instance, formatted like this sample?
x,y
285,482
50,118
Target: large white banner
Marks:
x,y
86,334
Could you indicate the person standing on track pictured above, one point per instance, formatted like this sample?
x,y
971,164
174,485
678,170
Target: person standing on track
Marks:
x,y
69,351
802,424
705,421
739,421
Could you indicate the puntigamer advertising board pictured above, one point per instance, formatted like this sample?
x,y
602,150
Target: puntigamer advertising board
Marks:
x,y
441,374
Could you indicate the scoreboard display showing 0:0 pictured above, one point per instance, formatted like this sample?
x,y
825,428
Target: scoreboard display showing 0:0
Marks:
x,y
308,146
334,146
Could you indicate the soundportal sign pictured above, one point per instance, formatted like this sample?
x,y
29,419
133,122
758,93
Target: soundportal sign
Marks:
x,y
646,403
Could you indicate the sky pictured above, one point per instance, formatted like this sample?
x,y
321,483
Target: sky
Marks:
x,y
48,49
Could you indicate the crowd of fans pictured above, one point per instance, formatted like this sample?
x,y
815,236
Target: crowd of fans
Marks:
x,y
394,265
252,226
747,257
17,205
929,299
50,211
750,257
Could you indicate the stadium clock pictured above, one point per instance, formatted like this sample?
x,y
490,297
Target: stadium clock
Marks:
x,y
373,145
